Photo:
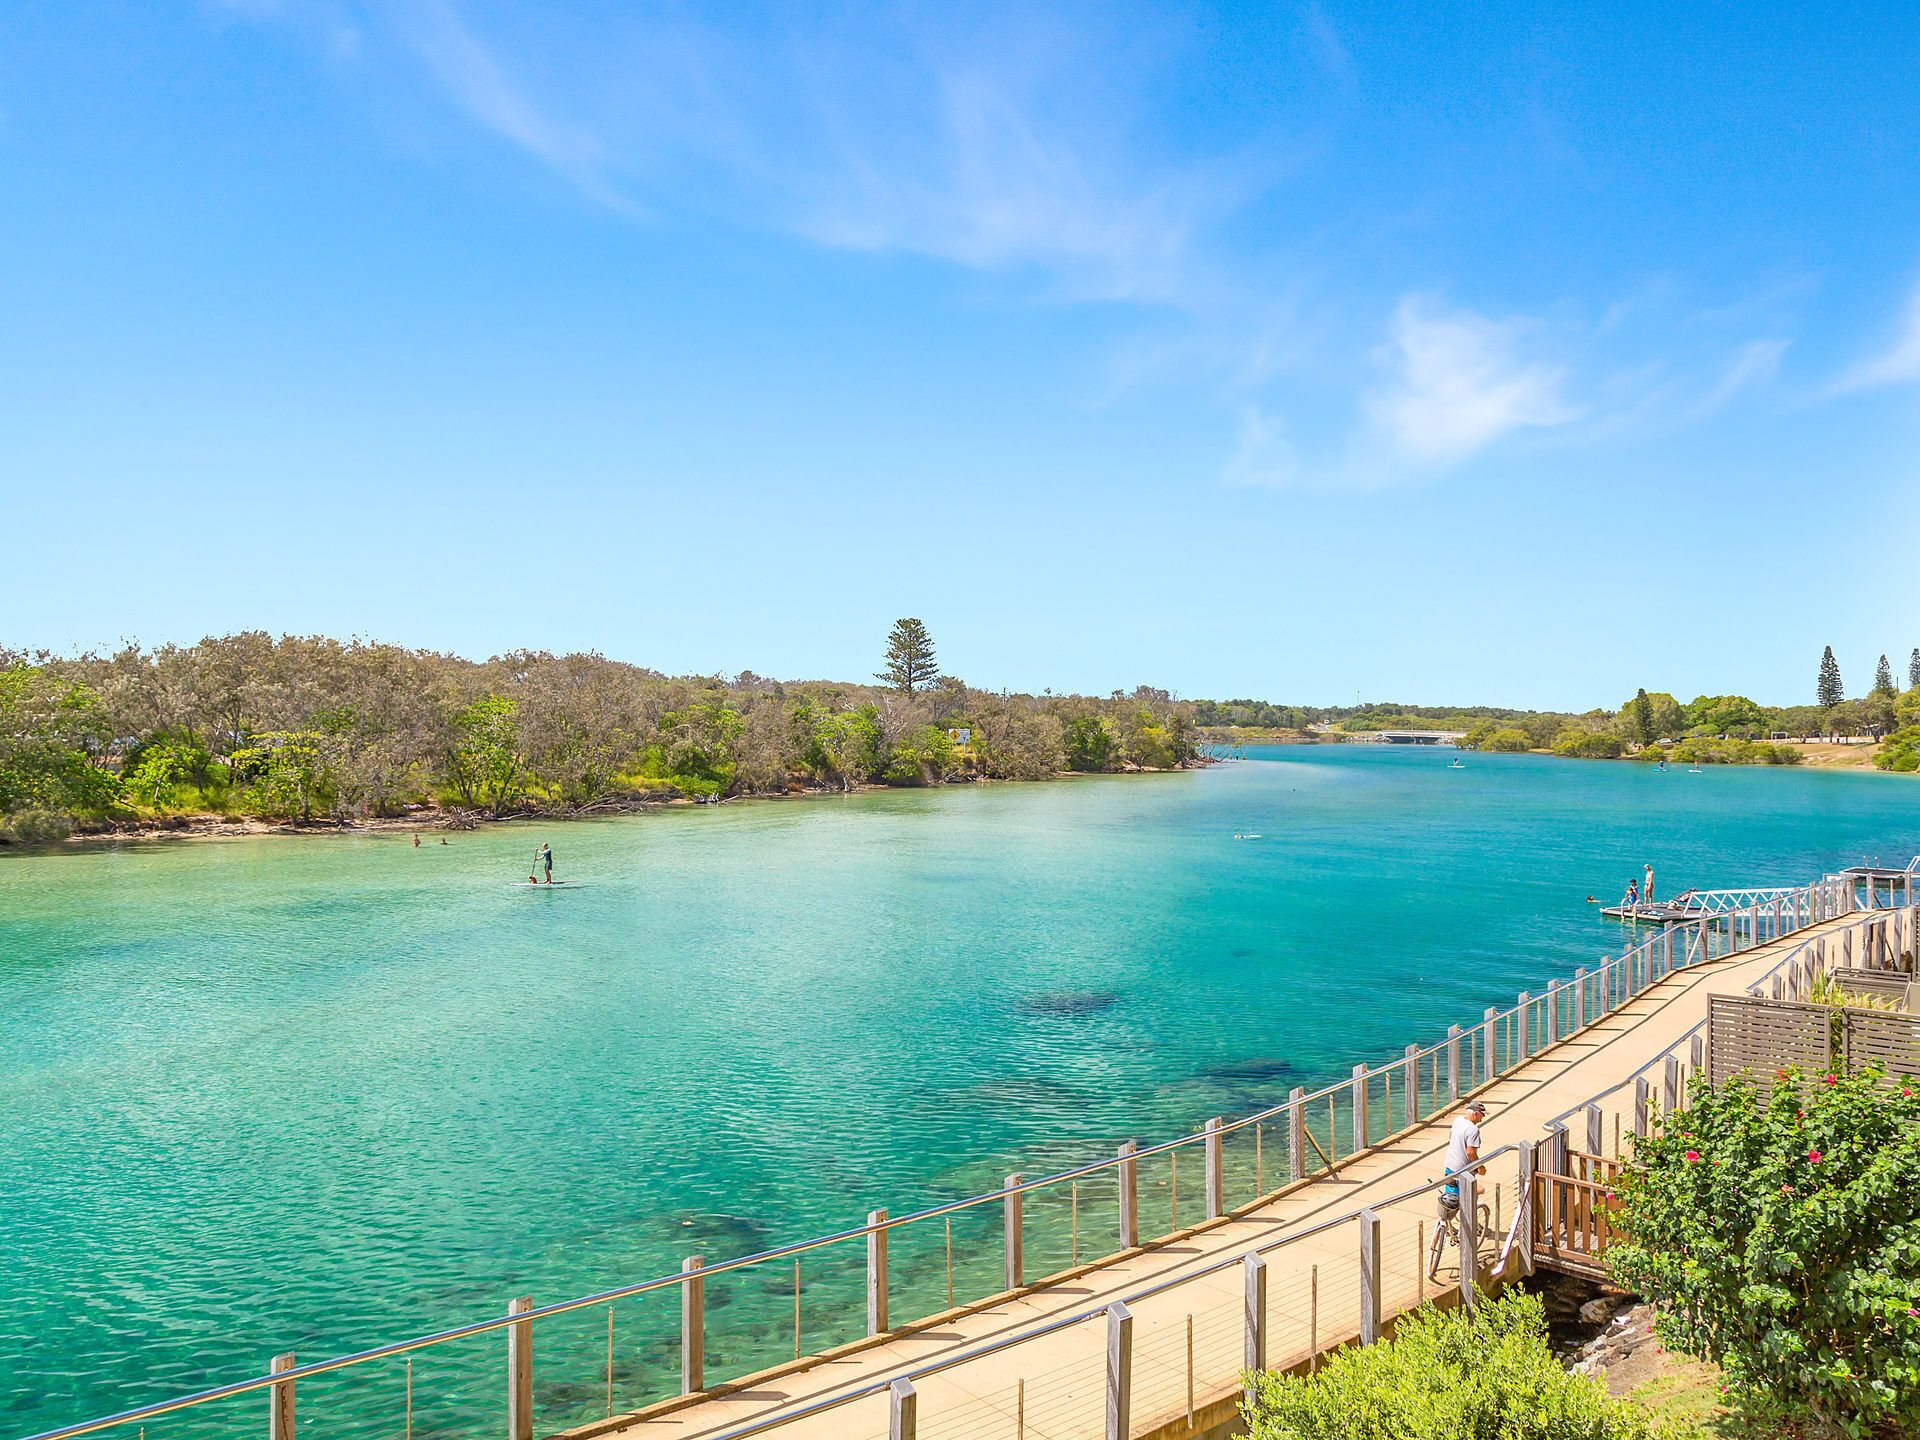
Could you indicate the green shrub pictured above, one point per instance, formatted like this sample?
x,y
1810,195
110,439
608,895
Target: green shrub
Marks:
x,y
925,755
1901,751
1509,739
1781,1239
1446,1375
1089,744
35,827
1588,744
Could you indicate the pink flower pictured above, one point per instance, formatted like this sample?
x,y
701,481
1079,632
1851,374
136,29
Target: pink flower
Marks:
x,y
1693,1157
1833,1079
1912,1311
1906,1092
1814,1156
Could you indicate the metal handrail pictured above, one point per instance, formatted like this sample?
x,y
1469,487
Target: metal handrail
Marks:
x,y
933,1367
1330,1091
1753,987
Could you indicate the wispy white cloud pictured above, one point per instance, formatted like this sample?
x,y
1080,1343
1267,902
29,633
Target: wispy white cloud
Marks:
x,y
1897,365
476,79
1262,454
992,143
1456,382
1756,362
987,183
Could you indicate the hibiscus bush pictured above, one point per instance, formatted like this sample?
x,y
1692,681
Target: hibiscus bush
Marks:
x,y
1781,1239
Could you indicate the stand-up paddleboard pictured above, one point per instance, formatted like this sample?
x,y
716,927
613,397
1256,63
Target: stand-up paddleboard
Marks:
x,y
544,885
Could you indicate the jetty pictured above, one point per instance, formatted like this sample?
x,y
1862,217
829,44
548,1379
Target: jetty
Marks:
x,y
1259,1241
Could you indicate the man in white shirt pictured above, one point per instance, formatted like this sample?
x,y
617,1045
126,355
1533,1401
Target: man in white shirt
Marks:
x,y
1463,1148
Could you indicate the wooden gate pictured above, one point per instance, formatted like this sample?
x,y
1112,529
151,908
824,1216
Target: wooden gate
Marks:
x,y
1573,1215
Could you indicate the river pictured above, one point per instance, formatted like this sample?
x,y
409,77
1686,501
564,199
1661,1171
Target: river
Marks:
x,y
312,1094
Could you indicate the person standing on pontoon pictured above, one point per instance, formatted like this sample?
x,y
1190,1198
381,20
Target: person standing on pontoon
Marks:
x,y
1646,890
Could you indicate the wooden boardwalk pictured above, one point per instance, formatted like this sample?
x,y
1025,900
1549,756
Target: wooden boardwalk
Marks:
x,y
1188,1334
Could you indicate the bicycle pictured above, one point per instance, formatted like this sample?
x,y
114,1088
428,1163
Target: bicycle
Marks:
x,y
1447,1227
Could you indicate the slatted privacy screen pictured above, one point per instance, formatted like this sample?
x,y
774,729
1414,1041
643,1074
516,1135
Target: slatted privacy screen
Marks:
x,y
1880,1037
1762,1036
1891,983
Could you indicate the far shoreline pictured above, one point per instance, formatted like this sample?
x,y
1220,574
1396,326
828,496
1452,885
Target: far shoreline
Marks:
x,y
1814,754
438,821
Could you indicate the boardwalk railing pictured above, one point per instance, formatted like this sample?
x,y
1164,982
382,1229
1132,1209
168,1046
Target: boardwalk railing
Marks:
x,y
1659,1085
1240,1162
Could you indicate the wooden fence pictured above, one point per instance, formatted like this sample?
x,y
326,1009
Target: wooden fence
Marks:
x,y
1762,1037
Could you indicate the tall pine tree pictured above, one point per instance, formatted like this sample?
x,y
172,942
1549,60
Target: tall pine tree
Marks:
x,y
1829,692
1883,678
1913,669
910,662
1642,717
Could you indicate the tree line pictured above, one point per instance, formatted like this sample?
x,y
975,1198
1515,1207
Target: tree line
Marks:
x,y
310,728
1712,729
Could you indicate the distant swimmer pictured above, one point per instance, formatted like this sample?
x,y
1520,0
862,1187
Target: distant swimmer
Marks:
x,y
443,839
416,842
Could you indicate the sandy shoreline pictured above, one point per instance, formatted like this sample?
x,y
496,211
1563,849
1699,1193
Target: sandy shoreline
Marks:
x,y
434,820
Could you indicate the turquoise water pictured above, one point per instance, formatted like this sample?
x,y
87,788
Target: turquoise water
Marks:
x,y
314,1094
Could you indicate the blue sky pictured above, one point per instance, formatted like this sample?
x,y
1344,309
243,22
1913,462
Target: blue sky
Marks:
x,y
1296,351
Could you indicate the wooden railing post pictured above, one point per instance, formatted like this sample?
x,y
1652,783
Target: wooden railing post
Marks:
x,y
1596,1131
1216,1172
1580,999
1296,1134
1640,1092
1412,1071
1469,1238
903,1410
520,1372
1529,1161
1129,1173
1016,1268
1489,1056
280,1415
1453,1063
1553,1014
1526,1026
1370,1316
876,1271
1119,1371
1357,1091
1697,1053
1669,1088
1256,1293
693,1328
1666,955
